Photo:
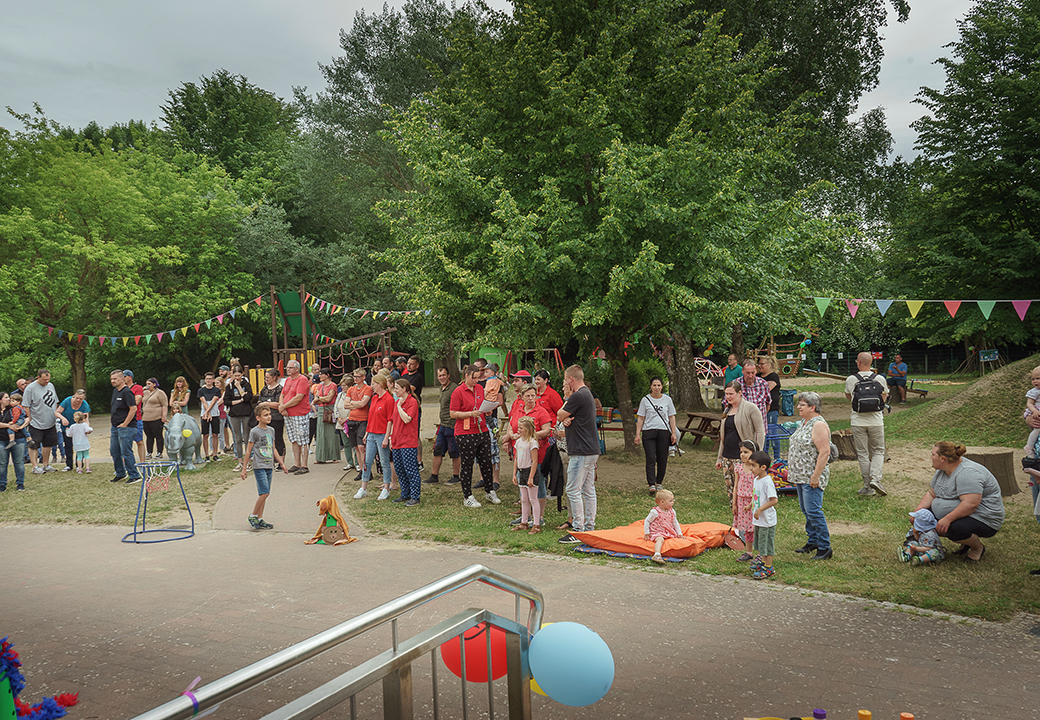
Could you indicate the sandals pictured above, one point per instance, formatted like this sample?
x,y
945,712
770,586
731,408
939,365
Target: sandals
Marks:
x,y
535,529
969,559
519,526
658,559
566,526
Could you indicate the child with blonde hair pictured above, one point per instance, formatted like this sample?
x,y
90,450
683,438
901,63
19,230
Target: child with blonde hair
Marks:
x,y
661,523
1032,395
527,476
77,433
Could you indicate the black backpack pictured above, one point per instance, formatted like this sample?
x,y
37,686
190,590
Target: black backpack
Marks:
x,y
867,395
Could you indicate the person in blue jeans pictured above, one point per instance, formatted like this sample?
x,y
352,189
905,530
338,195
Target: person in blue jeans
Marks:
x,y
807,468
124,428
15,452
767,371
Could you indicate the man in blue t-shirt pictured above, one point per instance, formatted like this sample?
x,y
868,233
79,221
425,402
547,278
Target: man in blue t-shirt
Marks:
x,y
897,377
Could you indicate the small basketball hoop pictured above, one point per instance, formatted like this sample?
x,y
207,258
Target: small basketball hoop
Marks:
x,y
157,479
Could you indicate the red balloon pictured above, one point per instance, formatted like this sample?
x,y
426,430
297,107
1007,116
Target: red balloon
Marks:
x,y
475,640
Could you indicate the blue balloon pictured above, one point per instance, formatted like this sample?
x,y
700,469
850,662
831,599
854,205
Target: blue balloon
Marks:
x,y
808,341
571,663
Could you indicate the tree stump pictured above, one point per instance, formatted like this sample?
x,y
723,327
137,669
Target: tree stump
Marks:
x,y
1000,462
845,444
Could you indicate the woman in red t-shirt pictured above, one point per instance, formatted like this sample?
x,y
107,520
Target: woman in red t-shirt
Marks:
x,y
404,442
377,439
472,437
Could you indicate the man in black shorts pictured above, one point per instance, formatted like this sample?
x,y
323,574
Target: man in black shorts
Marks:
x,y
40,399
209,394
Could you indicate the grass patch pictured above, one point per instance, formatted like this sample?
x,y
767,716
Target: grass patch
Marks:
x,y
69,498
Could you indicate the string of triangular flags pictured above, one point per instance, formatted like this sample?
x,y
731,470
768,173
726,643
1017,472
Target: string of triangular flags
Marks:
x,y
332,309
159,336
914,306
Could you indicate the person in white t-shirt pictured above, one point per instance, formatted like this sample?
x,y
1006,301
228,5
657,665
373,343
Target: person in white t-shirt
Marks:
x,y
868,427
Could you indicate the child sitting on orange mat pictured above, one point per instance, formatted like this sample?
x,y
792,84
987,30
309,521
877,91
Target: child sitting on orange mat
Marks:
x,y
661,523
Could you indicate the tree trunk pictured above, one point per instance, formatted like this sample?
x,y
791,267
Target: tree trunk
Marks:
x,y
619,364
690,398
1001,463
449,359
189,368
76,352
736,345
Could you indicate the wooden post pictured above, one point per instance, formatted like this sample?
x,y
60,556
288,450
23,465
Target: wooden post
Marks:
x,y
1001,463
845,444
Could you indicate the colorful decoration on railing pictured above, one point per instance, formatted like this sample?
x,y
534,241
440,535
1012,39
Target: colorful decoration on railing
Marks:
x,y
914,306
331,308
159,337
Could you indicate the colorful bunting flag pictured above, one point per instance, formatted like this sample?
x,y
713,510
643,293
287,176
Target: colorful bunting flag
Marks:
x,y
853,306
952,306
986,306
914,306
1021,307
822,304
883,306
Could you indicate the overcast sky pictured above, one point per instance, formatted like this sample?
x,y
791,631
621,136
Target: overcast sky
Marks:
x,y
115,60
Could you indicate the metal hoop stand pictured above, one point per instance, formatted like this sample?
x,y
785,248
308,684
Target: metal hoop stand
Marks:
x,y
152,469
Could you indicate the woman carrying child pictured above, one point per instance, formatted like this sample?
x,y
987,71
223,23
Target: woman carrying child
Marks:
x,y
527,476
12,443
743,490
661,523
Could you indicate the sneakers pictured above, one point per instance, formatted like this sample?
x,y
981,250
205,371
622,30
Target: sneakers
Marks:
x,y
358,478
38,471
764,572
118,478
238,467
903,554
493,498
432,480
50,468
348,468
399,499
66,469
745,557
421,467
479,484
360,493
659,488
756,564
384,493
264,525
302,471
866,491
79,471
876,487
411,503
454,480
293,469
133,481
568,539
254,522
148,456
470,502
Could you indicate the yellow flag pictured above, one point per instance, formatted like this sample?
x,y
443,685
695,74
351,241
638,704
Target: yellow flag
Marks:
x,y
914,306
125,341
184,331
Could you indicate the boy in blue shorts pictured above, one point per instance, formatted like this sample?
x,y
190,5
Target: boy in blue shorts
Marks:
x,y
263,453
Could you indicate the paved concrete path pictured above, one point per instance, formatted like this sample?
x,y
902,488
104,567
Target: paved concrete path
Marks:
x,y
129,626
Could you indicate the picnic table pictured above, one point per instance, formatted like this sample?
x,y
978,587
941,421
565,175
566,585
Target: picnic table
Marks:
x,y
708,426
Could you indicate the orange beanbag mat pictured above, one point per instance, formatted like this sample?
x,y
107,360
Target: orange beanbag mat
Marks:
x,y
696,538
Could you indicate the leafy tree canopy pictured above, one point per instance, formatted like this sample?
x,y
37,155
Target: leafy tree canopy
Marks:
x,y
970,225
594,171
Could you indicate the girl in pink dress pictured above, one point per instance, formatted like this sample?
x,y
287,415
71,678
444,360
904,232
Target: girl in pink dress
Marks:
x,y
661,523
743,521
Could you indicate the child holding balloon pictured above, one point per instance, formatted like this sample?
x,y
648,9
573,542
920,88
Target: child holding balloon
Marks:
x,y
661,523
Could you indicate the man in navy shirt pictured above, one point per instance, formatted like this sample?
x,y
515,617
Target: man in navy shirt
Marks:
x,y
124,426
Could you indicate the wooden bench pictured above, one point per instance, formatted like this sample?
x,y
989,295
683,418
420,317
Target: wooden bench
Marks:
x,y
707,427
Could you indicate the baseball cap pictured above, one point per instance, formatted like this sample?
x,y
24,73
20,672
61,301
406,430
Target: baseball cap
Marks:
x,y
128,372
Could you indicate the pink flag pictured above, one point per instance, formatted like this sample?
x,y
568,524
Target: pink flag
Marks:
x,y
853,306
1021,306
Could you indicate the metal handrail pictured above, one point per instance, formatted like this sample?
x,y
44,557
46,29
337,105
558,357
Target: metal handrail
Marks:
x,y
263,670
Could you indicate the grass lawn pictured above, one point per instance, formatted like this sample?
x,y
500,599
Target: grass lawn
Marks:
x,y
865,531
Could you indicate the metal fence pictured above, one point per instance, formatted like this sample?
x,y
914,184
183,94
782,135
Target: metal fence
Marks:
x,y
392,668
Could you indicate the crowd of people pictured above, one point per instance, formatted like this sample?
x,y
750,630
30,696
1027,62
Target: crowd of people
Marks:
x,y
370,419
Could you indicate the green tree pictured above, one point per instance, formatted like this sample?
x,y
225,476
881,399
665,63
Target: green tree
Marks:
x,y
969,222
111,243
592,172
246,129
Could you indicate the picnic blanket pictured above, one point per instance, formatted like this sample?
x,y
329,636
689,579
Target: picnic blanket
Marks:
x,y
696,538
